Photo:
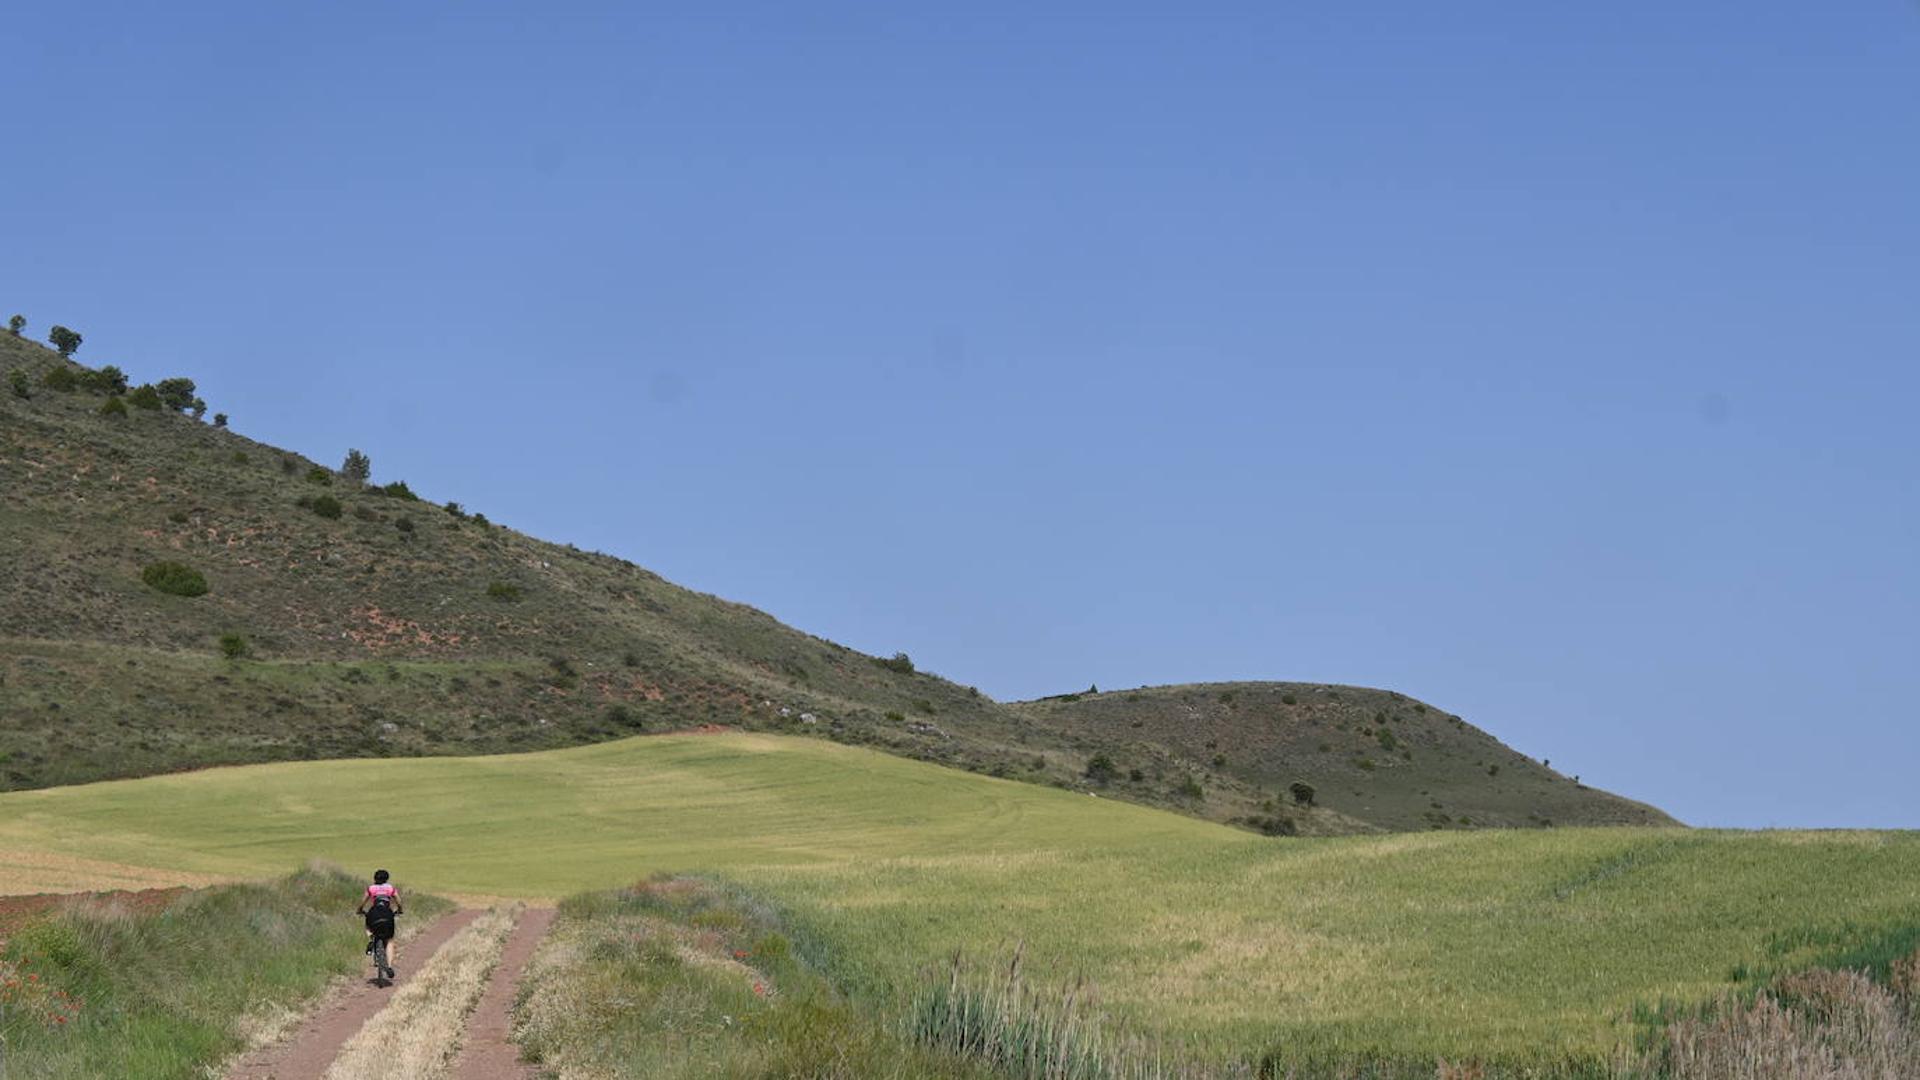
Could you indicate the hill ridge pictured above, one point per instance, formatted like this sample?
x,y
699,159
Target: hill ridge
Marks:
x,y
397,627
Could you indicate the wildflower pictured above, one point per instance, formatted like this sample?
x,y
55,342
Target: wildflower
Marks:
x,y
760,989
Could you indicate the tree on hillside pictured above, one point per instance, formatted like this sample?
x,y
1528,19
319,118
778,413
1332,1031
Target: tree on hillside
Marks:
x,y
219,419
199,408
357,468
1302,792
108,380
175,393
17,324
64,340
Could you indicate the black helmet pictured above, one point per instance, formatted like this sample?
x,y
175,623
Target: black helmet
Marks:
x,y
379,877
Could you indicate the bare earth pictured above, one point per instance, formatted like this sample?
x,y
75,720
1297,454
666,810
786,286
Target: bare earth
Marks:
x,y
308,1052
488,1052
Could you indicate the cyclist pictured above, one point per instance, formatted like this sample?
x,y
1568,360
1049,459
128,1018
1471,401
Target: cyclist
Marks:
x,y
380,905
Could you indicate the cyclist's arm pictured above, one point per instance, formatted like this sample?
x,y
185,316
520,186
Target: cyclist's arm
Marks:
x,y
398,907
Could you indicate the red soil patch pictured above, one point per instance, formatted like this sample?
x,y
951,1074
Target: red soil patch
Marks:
x,y
17,911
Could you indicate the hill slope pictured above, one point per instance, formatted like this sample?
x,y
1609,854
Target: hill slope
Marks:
x,y
375,624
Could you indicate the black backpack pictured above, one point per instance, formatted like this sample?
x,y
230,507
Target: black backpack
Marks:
x,y
380,918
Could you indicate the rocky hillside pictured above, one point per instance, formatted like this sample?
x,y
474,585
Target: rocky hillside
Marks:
x,y
174,594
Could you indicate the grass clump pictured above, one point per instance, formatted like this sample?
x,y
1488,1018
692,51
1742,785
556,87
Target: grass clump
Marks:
x,y
170,993
993,1015
504,591
113,406
234,646
683,978
175,579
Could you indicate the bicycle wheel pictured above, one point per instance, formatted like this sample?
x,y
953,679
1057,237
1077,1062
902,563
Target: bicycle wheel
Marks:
x,y
380,968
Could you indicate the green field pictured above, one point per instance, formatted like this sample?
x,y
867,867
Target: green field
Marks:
x,y
1525,945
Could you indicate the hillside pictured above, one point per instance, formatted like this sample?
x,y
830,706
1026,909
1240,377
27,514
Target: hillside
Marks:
x,y
369,623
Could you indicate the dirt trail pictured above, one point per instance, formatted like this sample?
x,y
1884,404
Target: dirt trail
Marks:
x,y
308,1052
488,1052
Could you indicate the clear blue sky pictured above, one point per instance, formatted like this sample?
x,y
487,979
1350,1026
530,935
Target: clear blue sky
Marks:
x,y
1553,363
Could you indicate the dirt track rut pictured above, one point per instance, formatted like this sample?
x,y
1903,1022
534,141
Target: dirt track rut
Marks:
x,y
306,1054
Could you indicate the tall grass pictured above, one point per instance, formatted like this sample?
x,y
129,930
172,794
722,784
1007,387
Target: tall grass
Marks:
x,y
171,993
994,1015
679,979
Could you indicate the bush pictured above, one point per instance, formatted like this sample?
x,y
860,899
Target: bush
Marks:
x,y
175,393
326,506
366,513
177,579
17,379
1101,769
1136,775
233,646
318,475
456,510
357,467
1387,741
146,397
65,340
61,378
17,324
220,419
398,490
504,591
107,380
898,662
1190,789
1302,792
405,525
1274,825
113,406
622,717
1289,699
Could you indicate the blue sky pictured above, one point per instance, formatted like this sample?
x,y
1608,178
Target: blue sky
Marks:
x,y
1554,364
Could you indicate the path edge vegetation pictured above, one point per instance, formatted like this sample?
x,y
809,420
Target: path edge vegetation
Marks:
x,y
93,989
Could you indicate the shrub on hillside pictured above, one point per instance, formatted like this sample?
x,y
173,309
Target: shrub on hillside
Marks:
x,y
220,419
146,397
233,646
405,525
1274,825
17,324
175,393
357,467
113,406
398,490
177,579
324,505
504,591
1101,769
17,379
1302,792
198,408
64,340
318,475
455,509
898,662
1190,789
61,378
108,379
1289,699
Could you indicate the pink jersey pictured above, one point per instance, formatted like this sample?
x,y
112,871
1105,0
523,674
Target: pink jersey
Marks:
x,y
374,892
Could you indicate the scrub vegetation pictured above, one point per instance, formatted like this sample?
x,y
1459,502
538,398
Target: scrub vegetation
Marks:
x,y
104,988
382,625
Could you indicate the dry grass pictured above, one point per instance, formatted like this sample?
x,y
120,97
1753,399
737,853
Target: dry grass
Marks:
x,y
1814,1025
418,1034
